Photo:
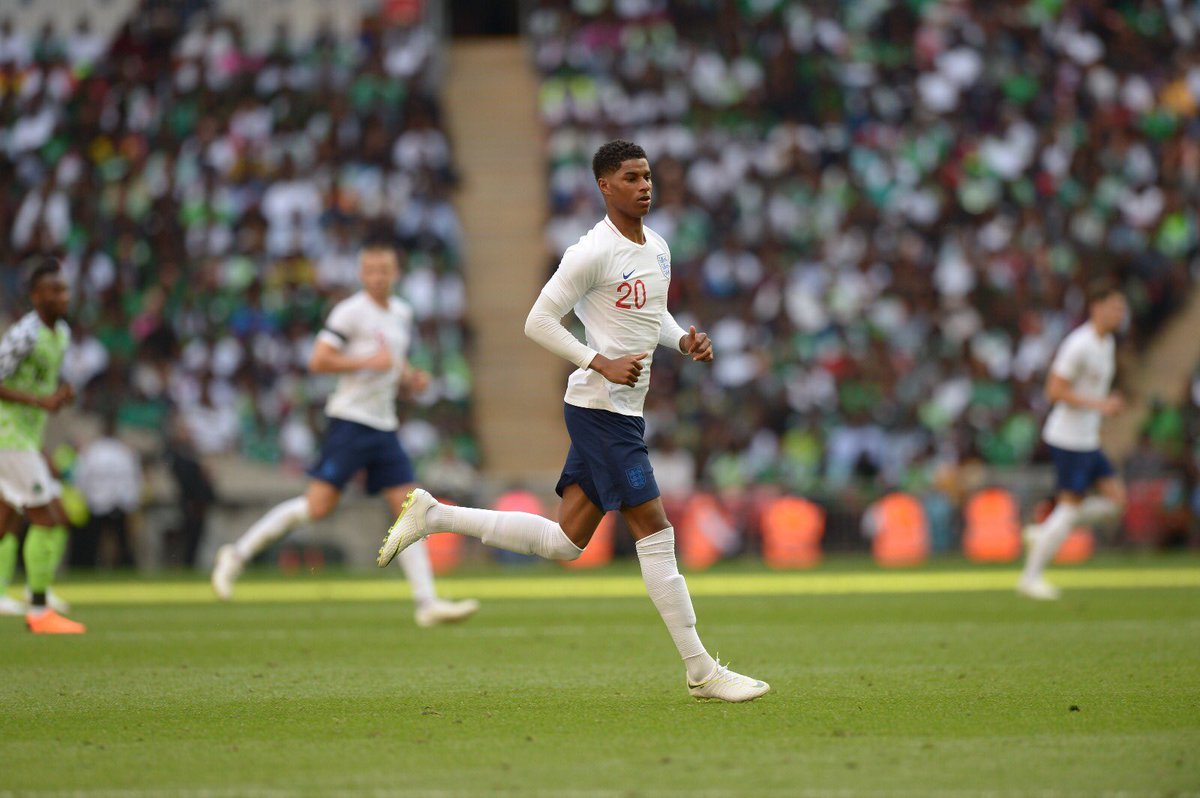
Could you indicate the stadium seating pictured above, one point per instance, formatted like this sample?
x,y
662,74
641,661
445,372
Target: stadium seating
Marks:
x,y
886,264
208,179
884,213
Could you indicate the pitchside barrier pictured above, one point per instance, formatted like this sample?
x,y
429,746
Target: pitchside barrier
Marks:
x,y
785,532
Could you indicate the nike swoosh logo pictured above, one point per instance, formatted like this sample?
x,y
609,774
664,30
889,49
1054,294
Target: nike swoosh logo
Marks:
x,y
627,276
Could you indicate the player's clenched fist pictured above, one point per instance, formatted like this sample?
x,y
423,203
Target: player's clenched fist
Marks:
x,y
623,370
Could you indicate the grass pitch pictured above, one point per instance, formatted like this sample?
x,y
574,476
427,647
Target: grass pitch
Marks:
x,y
934,682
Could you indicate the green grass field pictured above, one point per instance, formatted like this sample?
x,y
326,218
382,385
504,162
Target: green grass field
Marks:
x,y
937,682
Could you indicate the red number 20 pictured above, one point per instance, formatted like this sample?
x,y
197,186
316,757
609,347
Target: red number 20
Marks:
x,y
636,291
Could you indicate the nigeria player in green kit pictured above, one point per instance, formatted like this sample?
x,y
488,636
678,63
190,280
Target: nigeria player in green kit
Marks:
x,y
31,355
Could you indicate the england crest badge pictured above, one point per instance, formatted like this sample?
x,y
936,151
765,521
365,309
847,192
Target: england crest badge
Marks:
x,y
664,263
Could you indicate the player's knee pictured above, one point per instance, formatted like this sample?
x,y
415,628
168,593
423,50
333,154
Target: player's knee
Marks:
x,y
319,508
563,548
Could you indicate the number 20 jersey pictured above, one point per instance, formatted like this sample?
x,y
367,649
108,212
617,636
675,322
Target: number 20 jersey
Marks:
x,y
618,289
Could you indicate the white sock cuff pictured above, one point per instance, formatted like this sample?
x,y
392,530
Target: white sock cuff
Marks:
x,y
561,547
661,541
1062,510
1097,510
297,508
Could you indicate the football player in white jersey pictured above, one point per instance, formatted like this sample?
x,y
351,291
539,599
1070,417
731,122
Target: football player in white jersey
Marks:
x,y
1079,385
365,341
616,279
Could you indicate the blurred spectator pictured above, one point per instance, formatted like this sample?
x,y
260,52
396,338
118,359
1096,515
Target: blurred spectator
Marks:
x,y
196,495
884,213
450,476
674,468
109,473
208,197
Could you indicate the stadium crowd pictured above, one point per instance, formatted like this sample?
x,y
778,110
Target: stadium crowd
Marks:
x,y
208,197
884,212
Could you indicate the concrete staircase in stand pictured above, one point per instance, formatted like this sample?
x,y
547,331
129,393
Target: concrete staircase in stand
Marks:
x,y
490,100
1163,372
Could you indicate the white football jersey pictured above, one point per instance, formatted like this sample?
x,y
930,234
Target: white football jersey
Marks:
x,y
618,289
356,326
1088,362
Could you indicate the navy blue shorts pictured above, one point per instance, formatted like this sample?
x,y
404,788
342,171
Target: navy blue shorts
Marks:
x,y
608,458
1079,471
350,447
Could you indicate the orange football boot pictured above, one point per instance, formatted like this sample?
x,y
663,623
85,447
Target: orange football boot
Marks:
x,y
51,623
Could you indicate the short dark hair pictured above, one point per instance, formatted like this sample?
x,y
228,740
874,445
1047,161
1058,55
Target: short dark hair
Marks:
x,y
45,267
611,155
1101,289
378,243
378,239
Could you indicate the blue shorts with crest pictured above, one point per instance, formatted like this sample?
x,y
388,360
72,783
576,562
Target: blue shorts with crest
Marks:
x,y
350,447
1078,471
608,458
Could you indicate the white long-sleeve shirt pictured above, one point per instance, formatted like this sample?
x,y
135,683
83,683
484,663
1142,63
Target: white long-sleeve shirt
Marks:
x,y
618,289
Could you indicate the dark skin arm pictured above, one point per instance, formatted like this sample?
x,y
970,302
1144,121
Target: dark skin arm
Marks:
x,y
623,370
626,369
52,403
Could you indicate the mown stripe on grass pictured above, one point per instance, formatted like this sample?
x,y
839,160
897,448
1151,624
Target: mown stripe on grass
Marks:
x,y
628,585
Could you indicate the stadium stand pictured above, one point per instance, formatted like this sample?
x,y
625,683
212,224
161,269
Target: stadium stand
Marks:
x,y
208,190
883,212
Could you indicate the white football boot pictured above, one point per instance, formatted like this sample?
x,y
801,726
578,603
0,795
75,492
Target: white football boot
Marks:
x,y
1038,589
409,526
226,569
725,685
440,611
12,606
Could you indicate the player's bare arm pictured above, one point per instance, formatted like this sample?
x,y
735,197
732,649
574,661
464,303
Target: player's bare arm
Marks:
x,y
326,359
52,403
1058,389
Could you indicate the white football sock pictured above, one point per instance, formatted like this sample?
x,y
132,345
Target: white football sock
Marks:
x,y
668,591
1055,529
524,533
419,572
1096,510
278,521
